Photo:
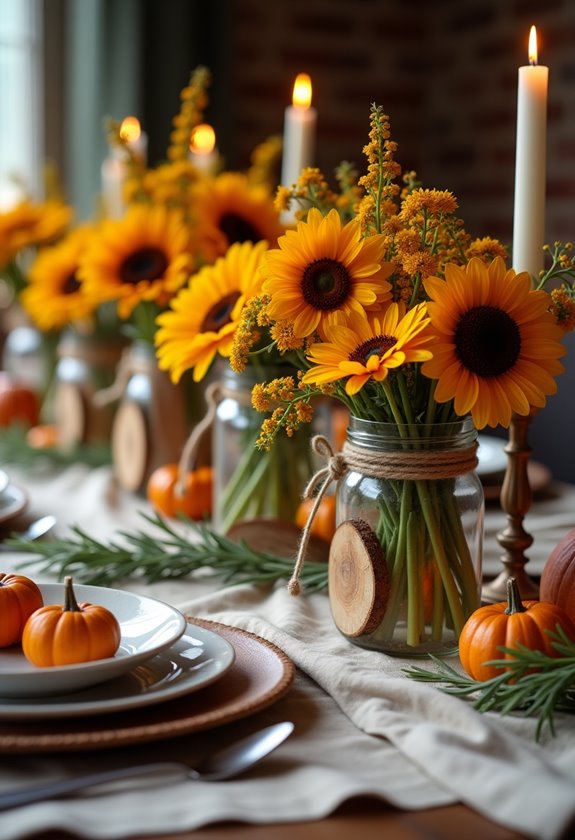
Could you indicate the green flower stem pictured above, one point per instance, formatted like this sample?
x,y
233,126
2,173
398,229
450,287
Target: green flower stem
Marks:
x,y
470,595
414,601
451,592
397,566
438,616
265,482
247,496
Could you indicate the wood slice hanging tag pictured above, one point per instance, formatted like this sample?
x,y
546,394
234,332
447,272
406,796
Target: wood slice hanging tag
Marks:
x,y
358,579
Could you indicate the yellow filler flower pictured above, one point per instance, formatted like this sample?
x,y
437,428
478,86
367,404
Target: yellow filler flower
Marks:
x,y
498,347
143,256
324,267
364,347
203,317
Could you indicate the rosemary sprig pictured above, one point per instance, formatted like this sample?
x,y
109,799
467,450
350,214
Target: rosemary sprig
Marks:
x,y
169,555
14,449
536,693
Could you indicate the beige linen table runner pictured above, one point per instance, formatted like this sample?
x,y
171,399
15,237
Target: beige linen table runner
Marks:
x,y
361,726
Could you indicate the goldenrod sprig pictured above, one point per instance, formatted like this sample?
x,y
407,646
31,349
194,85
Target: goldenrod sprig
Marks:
x,y
538,693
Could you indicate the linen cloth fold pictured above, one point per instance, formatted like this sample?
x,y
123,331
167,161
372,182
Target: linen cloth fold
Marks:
x,y
362,727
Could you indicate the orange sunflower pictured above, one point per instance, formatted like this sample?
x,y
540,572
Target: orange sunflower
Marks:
x,y
145,256
229,210
363,347
54,296
203,317
498,347
324,267
31,223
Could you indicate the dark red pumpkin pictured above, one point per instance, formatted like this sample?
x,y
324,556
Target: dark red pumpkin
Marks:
x,y
558,576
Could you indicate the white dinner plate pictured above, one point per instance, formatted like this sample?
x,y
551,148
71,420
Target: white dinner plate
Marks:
x,y
13,500
197,659
147,626
491,454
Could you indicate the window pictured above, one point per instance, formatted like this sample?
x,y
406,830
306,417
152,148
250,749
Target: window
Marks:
x,y
21,134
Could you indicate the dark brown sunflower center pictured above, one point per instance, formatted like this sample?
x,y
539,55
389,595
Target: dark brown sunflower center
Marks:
x,y
70,285
375,346
145,264
219,315
487,341
325,284
238,229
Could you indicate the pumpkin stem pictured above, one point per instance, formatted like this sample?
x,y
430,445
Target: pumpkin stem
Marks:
x,y
70,602
514,603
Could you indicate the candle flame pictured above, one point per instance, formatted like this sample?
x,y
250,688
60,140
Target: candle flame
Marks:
x,y
130,129
302,91
203,139
533,46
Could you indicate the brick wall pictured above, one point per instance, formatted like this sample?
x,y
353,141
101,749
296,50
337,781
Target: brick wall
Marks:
x,y
445,72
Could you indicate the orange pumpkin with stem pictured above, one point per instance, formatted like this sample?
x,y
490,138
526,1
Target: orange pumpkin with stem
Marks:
x,y
509,624
59,634
19,598
196,499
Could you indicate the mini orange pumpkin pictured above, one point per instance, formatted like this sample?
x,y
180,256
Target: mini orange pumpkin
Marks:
x,y
63,635
323,525
19,598
196,500
44,436
509,624
18,403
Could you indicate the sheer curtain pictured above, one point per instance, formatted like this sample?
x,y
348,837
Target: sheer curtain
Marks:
x,y
21,144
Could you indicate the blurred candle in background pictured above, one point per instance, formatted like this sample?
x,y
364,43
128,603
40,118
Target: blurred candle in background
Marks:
x,y
530,164
203,152
115,166
299,132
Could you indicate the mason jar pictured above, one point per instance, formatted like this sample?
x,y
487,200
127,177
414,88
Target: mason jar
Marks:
x,y
405,571
249,482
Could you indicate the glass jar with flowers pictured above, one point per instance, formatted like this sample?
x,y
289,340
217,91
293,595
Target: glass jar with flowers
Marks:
x,y
214,316
88,347
425,336
28,343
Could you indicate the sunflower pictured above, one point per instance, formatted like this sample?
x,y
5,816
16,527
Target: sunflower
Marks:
x,y
31,223
143,256
229,210
54,296
321,268
363,347
203,317
497,347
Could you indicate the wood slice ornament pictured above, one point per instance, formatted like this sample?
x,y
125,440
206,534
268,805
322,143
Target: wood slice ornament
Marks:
x,y
71,414
151,423
130,446
358,579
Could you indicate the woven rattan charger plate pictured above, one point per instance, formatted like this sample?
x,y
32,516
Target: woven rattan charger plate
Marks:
x,y
260,675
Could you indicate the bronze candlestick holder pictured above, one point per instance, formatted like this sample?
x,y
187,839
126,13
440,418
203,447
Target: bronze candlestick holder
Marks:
x,y
516,502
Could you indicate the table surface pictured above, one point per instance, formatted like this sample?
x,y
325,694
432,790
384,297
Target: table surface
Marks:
x,y
363,818
372,818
